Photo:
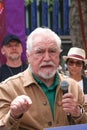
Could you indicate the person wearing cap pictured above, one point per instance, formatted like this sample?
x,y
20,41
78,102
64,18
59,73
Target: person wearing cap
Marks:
x,y
33,99
76,60
12,50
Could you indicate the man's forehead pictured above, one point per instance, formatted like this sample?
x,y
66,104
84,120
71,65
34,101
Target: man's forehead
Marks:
x,y
43,38
43,46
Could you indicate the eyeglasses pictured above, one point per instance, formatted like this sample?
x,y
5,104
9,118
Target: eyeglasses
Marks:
x,y
77,63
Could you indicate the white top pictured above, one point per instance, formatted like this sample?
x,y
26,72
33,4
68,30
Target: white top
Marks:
x,y
80,83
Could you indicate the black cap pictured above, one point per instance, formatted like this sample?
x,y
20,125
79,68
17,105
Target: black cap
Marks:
x,y
9,38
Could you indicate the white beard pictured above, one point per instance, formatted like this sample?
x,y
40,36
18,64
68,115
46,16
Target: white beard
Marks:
x,y
48,74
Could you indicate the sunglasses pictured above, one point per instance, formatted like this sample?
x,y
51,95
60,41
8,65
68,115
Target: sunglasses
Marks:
x,y
77,63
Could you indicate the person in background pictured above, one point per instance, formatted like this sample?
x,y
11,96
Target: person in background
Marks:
x,y
76,60
12,50
60,69
33,99
85,72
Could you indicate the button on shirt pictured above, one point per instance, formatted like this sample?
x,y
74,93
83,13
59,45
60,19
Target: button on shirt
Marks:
x,y
49,91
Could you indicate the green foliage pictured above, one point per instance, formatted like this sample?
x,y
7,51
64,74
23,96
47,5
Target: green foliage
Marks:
x,y
27,2
50,9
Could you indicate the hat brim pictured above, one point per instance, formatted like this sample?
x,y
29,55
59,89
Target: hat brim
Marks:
x,y
9,38
68,57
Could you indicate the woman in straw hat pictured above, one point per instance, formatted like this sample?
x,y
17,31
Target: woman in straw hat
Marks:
x,y
75,60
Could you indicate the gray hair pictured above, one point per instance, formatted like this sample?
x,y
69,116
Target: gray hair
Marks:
x,y
38,31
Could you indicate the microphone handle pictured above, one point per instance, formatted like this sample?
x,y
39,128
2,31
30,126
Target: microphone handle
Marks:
x,y
69,118
65,91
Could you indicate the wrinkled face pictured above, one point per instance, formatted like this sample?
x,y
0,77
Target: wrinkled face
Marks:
x,y
44,57
12,51
74,66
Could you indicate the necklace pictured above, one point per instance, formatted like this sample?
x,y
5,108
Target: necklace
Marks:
x,y
14,71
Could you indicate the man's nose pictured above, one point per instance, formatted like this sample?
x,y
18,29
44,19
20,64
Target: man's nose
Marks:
x,y
13,47
47,56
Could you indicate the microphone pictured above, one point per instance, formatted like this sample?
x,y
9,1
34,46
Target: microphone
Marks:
x,y
64,87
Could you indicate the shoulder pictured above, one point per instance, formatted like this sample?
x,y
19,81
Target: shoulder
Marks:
x,y
24,65
21,79
3,66
72,83
3,69
84,77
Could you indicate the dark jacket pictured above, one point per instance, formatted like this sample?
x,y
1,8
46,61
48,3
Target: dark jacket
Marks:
x,y
84,84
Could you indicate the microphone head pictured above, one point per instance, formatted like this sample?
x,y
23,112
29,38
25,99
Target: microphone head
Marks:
x,y
64,86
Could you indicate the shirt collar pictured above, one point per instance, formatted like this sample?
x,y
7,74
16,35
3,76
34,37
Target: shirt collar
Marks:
x,y
53,85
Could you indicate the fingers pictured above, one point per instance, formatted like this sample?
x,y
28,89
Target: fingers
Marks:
x,y
67,95
20,105
70,104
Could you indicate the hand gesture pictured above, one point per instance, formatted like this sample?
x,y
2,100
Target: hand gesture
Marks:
x,y
20,105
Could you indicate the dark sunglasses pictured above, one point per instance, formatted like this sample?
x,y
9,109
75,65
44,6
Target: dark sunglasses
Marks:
x,y
77,63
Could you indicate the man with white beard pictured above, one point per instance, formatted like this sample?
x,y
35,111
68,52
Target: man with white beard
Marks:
x,y
33,99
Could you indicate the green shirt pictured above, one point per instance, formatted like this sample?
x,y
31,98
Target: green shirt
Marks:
x,y
49,91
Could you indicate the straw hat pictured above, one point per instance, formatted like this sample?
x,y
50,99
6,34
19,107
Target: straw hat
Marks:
x,y
76,53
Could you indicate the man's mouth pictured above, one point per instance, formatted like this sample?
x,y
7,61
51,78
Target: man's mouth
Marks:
x,y
46,66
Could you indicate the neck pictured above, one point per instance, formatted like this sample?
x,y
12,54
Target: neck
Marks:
x,y
76,77
48,82
14,63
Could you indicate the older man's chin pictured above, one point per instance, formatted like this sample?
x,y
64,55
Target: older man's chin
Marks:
x,y
48,75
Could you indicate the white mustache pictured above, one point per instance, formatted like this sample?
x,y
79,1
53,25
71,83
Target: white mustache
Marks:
x,y
47,63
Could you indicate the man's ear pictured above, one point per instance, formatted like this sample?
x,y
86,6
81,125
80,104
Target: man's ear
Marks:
x,y
2,51
21,49
28,55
